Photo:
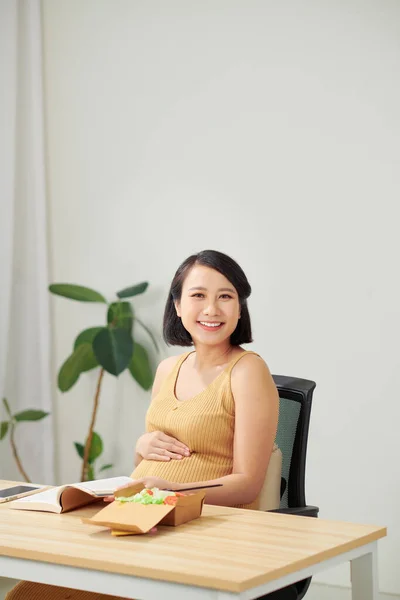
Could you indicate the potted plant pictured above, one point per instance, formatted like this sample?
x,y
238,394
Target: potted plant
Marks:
x,y
108,348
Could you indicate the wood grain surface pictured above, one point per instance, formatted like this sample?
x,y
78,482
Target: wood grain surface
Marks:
x,y
226,548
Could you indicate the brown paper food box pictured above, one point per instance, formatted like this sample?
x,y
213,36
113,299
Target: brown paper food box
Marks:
x,y
127,518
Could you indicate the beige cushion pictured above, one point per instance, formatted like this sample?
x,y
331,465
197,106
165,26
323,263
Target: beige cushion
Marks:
x,y
270,495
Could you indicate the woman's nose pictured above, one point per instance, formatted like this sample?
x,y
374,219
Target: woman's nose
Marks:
x,y
211,309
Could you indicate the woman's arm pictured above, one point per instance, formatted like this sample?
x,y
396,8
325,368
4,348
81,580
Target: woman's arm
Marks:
x,y
256,421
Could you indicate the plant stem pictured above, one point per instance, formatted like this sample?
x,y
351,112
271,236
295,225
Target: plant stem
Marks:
x,y
88,445
15,454
153,339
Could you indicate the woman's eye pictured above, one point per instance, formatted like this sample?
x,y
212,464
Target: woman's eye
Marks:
x,y
200,295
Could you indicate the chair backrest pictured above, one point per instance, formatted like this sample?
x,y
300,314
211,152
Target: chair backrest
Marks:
x,y
295,397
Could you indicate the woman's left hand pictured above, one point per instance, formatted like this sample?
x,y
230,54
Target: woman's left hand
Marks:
x,y
149,482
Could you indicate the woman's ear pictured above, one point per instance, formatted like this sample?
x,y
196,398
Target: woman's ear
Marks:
x,y
177,308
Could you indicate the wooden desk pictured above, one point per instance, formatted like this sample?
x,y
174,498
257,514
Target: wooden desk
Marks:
x,y
227,554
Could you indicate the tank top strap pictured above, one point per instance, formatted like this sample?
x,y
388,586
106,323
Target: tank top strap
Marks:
x,y
170,380
234,361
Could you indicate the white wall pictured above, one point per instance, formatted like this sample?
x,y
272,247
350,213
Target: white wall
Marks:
x,y
268,130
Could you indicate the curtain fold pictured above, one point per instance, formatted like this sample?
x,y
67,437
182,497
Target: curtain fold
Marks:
x,y
25,373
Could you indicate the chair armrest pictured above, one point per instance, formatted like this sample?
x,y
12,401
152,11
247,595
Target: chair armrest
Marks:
x,y
303,511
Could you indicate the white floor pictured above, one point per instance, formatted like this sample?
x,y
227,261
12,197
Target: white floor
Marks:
x,y
317,591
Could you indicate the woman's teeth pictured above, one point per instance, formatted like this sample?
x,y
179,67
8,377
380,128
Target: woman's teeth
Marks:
x,y
210,324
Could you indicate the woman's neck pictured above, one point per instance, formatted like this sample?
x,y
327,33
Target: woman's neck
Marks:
x,y
207,357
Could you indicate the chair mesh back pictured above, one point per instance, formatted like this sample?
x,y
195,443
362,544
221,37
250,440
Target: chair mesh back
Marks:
x,y
289,412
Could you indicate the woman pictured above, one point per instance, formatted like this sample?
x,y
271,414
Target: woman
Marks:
x,y
214,411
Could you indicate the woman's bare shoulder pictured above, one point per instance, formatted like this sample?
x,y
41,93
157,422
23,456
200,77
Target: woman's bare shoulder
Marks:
x,y
251,367
250,362
252,383
163,370
166,365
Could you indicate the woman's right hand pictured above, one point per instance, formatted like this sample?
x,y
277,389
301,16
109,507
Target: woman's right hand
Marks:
x,y
160,446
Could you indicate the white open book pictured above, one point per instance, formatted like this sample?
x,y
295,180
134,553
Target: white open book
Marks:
x,y
68,497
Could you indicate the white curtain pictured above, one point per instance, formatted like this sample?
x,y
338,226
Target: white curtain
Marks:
x,y
25,377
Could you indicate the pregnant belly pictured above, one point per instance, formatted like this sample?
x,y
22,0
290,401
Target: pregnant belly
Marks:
x,y
197,467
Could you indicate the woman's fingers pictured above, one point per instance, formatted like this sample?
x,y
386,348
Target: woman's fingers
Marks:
x,y
174,455
178,449
174,447
164,454
160,446
163,457
172,452
174,444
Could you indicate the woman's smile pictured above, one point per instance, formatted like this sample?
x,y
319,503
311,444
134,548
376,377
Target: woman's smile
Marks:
x,y
210,325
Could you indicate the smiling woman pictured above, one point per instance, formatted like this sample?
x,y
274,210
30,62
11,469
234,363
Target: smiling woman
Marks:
x,y
214,412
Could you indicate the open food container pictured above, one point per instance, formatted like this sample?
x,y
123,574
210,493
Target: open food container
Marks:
x,y
129,518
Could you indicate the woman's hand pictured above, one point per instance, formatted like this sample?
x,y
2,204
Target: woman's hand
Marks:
x,y
161,484
160,446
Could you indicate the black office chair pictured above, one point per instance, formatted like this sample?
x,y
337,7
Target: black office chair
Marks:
x,y
295,397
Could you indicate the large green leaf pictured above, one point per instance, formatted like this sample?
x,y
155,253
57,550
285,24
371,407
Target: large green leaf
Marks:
x,y
30,415
134,290
76,292
96,448
120,314
7,407
140,367
89,362
3,429
75,364
113,349
86,337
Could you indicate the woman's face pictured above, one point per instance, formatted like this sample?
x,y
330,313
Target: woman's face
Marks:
x,y
209,306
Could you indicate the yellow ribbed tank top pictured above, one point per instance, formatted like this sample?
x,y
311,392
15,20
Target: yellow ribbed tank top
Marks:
x,y
205,423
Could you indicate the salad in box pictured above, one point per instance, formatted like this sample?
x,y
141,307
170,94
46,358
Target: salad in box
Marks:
x,y
137,509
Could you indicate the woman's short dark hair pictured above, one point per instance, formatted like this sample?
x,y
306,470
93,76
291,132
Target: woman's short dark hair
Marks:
x,y
173,331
